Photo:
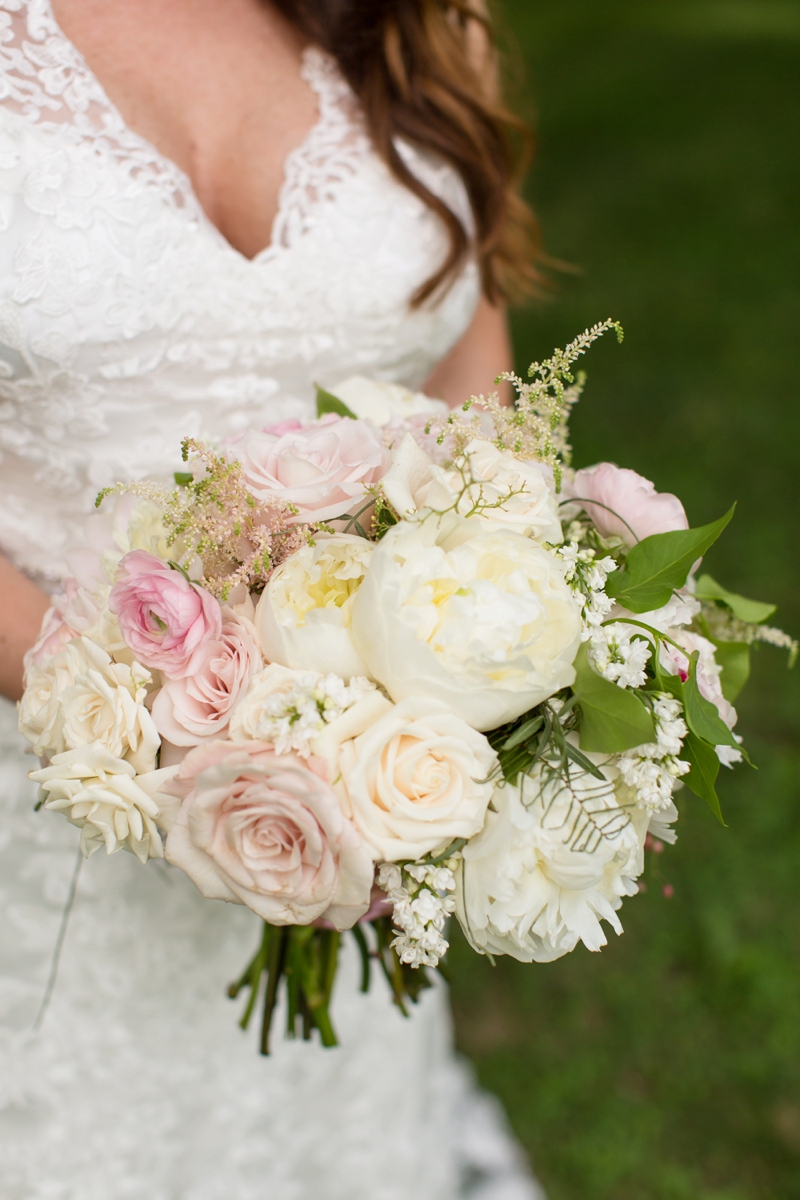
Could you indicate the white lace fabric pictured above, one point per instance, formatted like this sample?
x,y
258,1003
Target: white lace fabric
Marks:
x,y
127,322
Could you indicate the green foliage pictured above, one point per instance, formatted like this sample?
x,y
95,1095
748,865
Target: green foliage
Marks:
x,y
734,659
328,403
612,719
702,778
753,612
659,564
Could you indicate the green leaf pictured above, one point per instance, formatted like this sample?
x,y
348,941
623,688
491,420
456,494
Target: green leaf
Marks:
x,y
734,659
659,564
184,478
328,403
700,714
612,719
751,611
703,776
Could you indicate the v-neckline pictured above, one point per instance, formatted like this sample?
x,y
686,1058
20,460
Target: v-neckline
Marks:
x,y
274,245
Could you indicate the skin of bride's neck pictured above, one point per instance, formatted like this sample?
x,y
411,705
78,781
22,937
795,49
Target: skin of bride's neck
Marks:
x,y
214,85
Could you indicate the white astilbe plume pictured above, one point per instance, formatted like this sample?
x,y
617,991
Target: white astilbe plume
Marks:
x,y
422,898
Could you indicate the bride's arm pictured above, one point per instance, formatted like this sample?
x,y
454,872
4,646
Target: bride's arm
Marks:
x,y
473,364
22,606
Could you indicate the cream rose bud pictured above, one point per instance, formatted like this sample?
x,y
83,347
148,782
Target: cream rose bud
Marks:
x,y
479,619
267,830
412,777
485,483
102,795
304,616
381,403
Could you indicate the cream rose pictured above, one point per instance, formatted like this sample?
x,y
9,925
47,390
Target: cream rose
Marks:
x,y
481,620
102,795
82,696
485,483
266,830
304,616
383,403
412,777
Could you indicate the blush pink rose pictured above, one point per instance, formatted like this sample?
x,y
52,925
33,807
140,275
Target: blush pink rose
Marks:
x,y
708,670
629,500
266,830
165,620
198,706
53,636
321,469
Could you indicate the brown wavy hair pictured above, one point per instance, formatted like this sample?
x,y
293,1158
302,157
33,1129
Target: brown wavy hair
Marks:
x,y
425,71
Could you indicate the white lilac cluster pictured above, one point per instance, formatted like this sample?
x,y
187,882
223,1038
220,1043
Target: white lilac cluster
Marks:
x,y
422,898
291,710
652,771
587,577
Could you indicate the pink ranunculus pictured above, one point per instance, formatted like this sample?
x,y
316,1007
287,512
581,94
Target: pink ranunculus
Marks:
x,y
165,620
266,830
629,500
321,469
192,709
708,670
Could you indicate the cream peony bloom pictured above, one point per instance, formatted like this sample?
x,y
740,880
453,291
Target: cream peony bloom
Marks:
x,y
305,614
82,696
479,619
537,879
486,484
411,777
102,795
382,403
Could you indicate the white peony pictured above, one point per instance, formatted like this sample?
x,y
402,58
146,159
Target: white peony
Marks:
x,y
539,878
102,795
381,403
411,777
80,697
305,614
479,619
484,483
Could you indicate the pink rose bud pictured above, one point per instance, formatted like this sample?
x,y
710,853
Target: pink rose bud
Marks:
x,y
165,620
626,505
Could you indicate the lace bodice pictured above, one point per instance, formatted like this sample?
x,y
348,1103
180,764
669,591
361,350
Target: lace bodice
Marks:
x,y
128,322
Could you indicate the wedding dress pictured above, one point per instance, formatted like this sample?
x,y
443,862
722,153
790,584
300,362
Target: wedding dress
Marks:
x,y
127,322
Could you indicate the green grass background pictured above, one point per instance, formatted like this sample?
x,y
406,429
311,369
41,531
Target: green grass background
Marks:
x,y
668,171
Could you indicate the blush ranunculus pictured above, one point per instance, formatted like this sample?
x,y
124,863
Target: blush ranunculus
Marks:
x,y
321,469
165,620
622,499
198,706
266,830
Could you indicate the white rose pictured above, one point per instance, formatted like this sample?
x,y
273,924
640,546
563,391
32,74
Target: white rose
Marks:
x,y
485,483
479,619
411,777
380,402
540,877
102,795
82,696
305,613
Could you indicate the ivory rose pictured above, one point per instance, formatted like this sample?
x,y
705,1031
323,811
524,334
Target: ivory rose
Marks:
x,y
113,806
481,620
304,617
267,830
383,403
626,504
483,476
412,777
165,620
323,469
199,706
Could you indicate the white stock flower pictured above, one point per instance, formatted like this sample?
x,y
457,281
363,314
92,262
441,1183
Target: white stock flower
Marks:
x,y
411,777
484,483
380,402
102,795
479,619
81,696
305,614
288,708
531,888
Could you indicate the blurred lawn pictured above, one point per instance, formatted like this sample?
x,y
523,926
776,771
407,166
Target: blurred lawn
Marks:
x,y
668,1068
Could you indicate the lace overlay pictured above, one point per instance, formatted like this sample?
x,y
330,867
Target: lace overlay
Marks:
x,y
126,323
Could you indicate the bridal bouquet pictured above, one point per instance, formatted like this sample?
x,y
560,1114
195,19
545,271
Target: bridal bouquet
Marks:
x,y
393,665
